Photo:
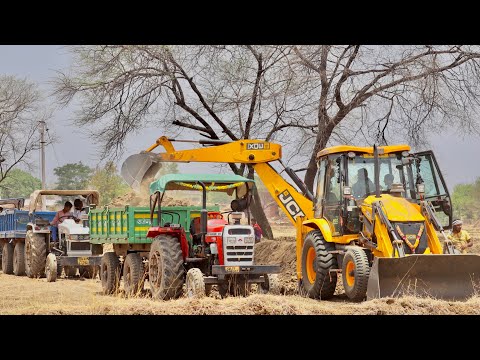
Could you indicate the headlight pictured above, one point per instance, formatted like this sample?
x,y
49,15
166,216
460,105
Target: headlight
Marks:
x,y
249,239
73,237
231,240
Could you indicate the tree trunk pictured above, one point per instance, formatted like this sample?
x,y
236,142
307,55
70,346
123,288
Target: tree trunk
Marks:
x,y
257,209
320,143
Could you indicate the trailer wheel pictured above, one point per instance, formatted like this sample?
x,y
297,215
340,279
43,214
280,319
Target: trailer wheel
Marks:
x,y
133,274
110,269
271,285
355,274
19,259
35,254
51,267
317,281
195,284
165,268
7,258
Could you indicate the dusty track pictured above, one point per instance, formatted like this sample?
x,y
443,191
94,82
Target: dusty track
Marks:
x,y
20,295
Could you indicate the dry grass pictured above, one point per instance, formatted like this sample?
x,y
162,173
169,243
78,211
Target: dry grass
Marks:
x,y
36,296
20,295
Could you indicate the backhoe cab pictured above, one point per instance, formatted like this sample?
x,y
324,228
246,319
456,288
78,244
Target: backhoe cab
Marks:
x,y
378,211
374,219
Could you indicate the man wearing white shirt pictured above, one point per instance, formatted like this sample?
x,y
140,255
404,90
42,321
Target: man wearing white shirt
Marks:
x,y
78,210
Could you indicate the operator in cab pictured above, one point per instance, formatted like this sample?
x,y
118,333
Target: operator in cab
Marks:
x,y
58,219
364,185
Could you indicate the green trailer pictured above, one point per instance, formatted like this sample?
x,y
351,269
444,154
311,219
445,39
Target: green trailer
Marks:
x,y
126,228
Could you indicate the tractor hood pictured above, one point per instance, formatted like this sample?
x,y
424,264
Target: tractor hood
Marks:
x,y
397,209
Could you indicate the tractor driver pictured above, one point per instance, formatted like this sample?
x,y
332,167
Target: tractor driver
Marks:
x,y
59,217
388,180
78,210
364,185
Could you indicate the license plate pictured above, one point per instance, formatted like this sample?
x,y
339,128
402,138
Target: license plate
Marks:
x,y
232,269
83,261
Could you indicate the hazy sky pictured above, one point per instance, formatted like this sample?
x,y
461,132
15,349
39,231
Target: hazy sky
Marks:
x,y
39,63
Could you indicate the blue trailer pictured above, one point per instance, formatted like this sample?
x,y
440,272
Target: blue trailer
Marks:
x,y
14,224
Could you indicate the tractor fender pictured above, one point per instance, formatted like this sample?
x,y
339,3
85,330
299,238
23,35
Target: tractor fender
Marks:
x,y
322,225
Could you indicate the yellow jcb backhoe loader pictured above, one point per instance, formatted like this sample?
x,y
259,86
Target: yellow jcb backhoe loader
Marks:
x,y
380,235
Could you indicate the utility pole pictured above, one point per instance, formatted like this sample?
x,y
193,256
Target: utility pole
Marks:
x,y
42,151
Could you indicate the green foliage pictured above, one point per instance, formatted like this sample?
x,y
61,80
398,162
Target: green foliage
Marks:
x,y
466,201
109,184
19,183
73,176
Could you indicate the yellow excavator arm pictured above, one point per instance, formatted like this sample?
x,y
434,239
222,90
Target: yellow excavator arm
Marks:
x,y
253,152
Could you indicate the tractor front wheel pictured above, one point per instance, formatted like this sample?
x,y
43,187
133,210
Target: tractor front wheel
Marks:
x,y
195,284
51,267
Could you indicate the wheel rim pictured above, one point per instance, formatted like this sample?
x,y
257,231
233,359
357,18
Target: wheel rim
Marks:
x,y
350,273
310,265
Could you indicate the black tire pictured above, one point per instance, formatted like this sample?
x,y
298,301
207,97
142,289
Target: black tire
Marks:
x,y
110,269
271,285
355,274
35,254
321,283
208,289
51,267
19,259
133,274
7,256
195,284
70,271
165,268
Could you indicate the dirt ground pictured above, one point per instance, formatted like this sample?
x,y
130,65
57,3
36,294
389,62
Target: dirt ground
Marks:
x,y
21,295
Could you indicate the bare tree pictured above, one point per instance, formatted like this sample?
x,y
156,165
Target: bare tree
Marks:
x,y
381,92
20,111
221,92
300,96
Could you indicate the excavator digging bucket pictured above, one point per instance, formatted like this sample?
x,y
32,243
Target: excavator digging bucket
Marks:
x,y
447,277
139,170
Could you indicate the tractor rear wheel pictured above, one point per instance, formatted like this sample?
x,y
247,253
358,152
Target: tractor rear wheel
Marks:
x,y
133,274
355,274
19,259
195,284
7,258
270,286
110,270
51,267
165,268
35,254
317,261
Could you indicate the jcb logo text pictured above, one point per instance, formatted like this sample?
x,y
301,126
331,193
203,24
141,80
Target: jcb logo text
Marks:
x,y
290,204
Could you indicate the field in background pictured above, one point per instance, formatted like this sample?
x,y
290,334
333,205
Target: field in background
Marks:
x,y
20,295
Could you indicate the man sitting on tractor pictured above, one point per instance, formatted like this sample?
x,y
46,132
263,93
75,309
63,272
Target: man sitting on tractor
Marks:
x,y
59,217
78,210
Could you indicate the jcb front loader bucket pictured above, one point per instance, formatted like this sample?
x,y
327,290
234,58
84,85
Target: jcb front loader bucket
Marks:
x,y
140,169
448,277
